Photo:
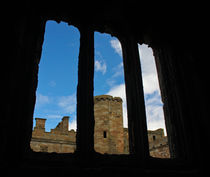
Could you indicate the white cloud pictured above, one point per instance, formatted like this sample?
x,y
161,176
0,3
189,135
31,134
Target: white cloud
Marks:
x,y
149,72
150,83
115,43
52,83
53,116
111,82
42,99
100,66
73,124
155,117
154,109
119,91
154,112
67,103
118,70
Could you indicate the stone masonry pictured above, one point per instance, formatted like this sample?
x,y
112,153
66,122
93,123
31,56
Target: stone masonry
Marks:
x,y
109,138
59,140
158,144
109,132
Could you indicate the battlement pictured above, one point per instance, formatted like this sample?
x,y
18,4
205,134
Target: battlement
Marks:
x,y
110,137
107,98
40,124
59,139
62,126
158,132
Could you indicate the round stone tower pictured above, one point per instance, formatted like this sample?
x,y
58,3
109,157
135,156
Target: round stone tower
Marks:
x,y
109,132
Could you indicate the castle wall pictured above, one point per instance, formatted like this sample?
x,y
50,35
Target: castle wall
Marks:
x,y
126,141
161,151
158,144
110,137
59,140
58,146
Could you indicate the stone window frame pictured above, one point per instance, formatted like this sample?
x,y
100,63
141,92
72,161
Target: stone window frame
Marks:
x,y
137,128
138,145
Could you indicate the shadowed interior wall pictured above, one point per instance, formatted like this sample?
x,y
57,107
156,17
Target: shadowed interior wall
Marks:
x,y
177,38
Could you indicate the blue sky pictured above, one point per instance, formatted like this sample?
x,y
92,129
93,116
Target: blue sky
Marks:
x,y
57,79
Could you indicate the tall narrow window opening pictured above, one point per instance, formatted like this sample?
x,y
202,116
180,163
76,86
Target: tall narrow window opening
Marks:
x,y
110,108
157,135
54,124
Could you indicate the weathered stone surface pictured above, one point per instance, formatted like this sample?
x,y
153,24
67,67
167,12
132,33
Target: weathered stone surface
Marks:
x,y
59,140
158,144
183,72
108,120
110,137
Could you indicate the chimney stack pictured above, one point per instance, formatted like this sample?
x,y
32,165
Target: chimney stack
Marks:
x,y
40,124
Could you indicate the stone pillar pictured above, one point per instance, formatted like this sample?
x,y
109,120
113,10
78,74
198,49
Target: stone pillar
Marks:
x,y
138,139
62,126
65,121
85,114
170,70
40,125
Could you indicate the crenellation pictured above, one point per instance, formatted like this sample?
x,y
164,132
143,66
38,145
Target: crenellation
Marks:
x,y
62,127
174,32
40,123
107,98
59,140
110,136
108,118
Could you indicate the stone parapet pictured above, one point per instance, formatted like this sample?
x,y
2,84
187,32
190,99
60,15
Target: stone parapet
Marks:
x,y
107,97
59,139
110,137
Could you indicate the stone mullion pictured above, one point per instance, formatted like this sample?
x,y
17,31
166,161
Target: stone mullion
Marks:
x,y
85,104
138,138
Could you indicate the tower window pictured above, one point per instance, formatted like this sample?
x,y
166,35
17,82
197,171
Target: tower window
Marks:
x,y
105,134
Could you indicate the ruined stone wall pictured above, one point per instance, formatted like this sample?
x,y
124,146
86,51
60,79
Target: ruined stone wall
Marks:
x,y
109,137
158,144
161,151
59,140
